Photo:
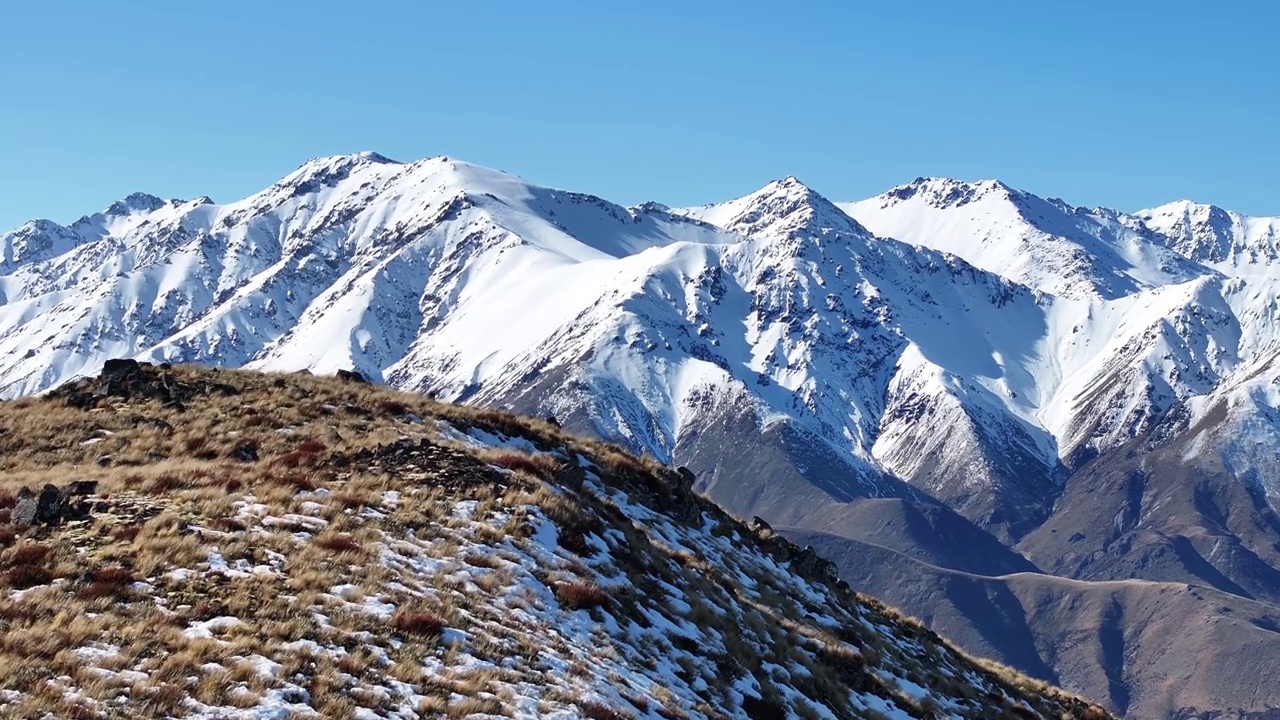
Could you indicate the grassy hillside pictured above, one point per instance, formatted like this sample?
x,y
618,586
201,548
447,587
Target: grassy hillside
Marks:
x,y
294,546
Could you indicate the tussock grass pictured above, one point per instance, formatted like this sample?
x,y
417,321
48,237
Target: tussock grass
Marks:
x,y
540,465
581,595
418,622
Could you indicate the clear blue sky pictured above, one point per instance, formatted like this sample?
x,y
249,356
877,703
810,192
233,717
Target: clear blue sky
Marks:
x,y
1127,104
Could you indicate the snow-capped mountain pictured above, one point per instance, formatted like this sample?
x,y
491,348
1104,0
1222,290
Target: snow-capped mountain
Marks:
x,y
1209,234
968,349
978,384
1139,317
634,323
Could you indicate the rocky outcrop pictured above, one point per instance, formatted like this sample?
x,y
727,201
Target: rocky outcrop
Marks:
x,y
126,379
352,376
422,461
571,476
53,505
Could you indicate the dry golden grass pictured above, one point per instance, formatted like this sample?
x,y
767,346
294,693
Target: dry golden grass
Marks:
x,y
540,465
182,482
581,595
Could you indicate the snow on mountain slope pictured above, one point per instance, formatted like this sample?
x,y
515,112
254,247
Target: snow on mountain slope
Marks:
x,y
1067,376
1244,249
935,331
470,283
325,249
1044,244
1108,370
1147,310
42,239
902,363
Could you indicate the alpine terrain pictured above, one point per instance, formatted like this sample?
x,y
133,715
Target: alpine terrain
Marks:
x,y
1050,432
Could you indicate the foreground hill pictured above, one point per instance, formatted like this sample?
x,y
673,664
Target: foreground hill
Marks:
x,y
287,545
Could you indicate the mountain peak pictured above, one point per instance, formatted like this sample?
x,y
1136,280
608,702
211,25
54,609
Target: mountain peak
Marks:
x,y
357,158
138,203
332,162
789,208
134,203
782,209
1208,233
329,170
944,192
1185,209
790,181
376,157
1046,244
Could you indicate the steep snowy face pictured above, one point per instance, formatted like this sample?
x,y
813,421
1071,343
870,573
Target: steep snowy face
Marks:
x,y
803,320
1045,244
1209,234
898,350
339,264
477,286
37,240
1146,312
1111,370
40,240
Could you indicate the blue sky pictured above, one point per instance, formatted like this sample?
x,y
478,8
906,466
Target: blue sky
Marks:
x,y
1126,104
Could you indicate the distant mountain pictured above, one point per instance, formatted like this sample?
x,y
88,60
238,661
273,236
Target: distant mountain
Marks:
x,y
943,368
1209,234
1045,244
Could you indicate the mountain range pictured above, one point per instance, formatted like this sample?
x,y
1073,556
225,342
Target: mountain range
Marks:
x,y
1049,431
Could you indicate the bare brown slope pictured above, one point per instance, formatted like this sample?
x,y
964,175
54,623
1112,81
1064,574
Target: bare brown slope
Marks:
x,y
1147,511
929,533
1148,650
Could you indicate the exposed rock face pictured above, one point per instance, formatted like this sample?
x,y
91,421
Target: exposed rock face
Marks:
x,y
127,379
245,451
27,509
808,562
571,476
416,460
353,376
53,504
